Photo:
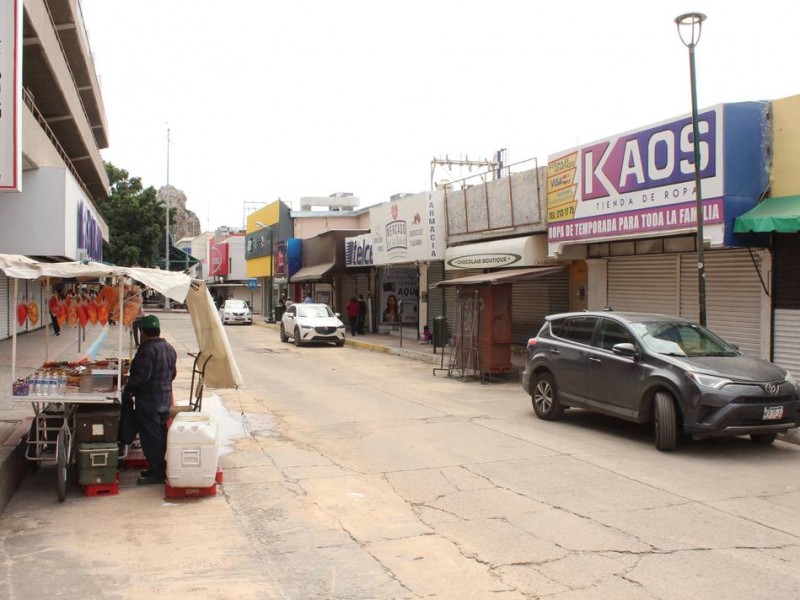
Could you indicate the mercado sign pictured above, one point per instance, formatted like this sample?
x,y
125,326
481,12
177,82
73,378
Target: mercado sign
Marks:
x,y
404,230
636,183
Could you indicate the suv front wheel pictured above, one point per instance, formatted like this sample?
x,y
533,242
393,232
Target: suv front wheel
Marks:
x,y
666,421
544,397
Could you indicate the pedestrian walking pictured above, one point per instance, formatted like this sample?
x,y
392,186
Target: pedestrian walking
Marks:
x,y
53,307
352,309
362,313
150,384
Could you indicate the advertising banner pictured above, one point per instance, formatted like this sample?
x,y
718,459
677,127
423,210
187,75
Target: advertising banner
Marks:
x,y
636,183
404,230
218,258
11,95
399,297
258,244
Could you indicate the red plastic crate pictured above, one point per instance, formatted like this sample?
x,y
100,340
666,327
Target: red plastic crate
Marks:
x,y
135,463
173,492
101,489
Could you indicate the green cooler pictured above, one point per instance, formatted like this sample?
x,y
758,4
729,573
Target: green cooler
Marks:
x,y
97,463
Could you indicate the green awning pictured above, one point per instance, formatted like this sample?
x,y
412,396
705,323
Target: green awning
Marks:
x,y
781,215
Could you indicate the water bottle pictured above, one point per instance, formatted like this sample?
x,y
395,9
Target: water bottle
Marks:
x,y
53,384
32,385
37,384
62,383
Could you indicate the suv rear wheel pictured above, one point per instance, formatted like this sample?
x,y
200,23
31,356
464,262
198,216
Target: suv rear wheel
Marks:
x,y
763,439
544,398
666,421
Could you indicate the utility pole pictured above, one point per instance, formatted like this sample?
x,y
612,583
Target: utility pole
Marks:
x,y
493,165
166,203
166,229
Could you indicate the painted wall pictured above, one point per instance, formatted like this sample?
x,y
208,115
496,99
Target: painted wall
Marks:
x,y
43,218
237,264
308,225
785,178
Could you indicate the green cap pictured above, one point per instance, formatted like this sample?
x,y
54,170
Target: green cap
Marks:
x,y
149,322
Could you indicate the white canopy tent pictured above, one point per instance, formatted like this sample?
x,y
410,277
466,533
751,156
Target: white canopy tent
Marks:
x,y
221,370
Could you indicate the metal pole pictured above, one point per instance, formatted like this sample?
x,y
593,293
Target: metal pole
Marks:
x,y
166,205
690,26
701,267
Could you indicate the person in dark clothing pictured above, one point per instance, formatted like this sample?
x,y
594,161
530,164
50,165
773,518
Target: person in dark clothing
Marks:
x,y
150,383
352,310
362,314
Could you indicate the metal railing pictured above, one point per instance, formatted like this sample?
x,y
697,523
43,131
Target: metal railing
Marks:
x,y
27,98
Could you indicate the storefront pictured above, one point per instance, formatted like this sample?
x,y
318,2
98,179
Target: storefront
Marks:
x,y
537,289
323,273
627,206
406,244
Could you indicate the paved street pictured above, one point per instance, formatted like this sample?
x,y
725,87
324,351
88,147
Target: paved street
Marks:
x,y
356,474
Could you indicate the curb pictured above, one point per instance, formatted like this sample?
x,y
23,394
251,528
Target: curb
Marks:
x,y
13,464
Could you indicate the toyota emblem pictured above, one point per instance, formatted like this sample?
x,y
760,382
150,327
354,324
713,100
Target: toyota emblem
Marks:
x,y
771,388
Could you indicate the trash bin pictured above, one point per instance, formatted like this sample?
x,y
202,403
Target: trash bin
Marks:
x,y
278,313
440,332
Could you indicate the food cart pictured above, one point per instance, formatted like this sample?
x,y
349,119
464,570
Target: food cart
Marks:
x,y
99,383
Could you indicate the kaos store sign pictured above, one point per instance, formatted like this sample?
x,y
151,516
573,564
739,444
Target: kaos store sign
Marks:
x,y
636,183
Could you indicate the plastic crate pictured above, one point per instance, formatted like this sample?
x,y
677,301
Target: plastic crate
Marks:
x,y
195,492
102,489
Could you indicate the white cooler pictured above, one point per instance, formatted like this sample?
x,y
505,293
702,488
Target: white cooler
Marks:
x,y
192,450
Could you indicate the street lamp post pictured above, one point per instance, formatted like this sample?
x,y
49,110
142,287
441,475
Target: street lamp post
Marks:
x,y
690,26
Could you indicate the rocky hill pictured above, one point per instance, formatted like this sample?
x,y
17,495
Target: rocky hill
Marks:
x,y
185,223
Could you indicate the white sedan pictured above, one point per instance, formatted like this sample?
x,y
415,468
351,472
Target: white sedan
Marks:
x,y
236,311
311,323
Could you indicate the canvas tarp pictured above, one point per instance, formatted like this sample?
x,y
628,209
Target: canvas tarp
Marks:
x,y
221,370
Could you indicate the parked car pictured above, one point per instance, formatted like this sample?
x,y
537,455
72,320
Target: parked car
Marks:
x,y
661,369
311,323
235,311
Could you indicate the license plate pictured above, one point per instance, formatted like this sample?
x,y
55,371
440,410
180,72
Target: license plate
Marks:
x,y
772,412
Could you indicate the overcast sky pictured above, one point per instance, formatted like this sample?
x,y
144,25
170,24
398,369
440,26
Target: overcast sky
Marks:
x,y
268,99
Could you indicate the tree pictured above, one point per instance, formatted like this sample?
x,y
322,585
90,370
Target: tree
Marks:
x,y
135,221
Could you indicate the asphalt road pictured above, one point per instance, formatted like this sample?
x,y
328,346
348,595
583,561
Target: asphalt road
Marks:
x,y
353,474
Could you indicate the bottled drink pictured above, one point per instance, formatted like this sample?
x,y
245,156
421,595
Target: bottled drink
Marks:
x,y
37,384
62,383
53,384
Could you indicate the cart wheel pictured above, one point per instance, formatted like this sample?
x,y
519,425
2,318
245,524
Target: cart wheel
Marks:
x,y
61,466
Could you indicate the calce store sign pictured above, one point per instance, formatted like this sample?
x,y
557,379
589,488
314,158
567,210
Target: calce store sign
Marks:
x,y
637,183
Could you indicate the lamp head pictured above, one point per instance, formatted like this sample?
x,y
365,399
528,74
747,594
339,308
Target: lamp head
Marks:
x,y
690,26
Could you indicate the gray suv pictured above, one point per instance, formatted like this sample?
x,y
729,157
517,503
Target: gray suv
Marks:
x,y
648,367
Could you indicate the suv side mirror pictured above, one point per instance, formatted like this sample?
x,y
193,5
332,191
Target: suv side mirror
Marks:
x,y
625,350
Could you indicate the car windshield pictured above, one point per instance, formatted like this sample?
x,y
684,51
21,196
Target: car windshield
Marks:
x,y
236,304
682,339
304,310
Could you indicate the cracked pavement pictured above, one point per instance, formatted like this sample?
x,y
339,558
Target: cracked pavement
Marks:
x,y
368,477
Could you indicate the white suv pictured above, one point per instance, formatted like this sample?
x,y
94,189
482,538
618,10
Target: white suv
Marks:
x,y
311,323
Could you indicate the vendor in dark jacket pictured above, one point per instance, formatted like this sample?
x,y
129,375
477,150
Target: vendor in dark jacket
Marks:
x,y
150,382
